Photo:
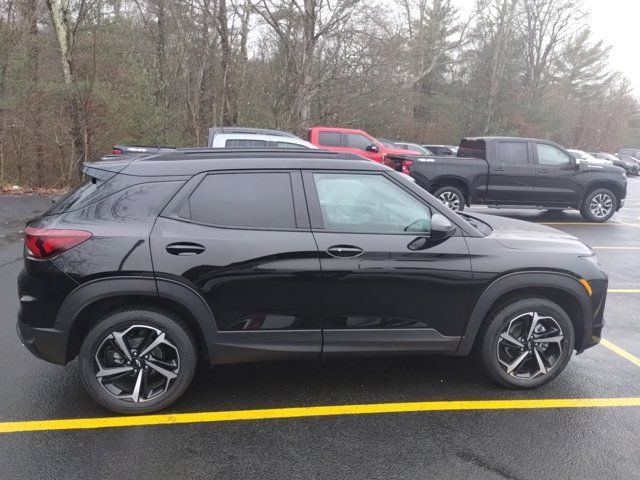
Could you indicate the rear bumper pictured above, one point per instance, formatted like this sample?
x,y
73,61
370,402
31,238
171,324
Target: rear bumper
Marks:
x,y
46,343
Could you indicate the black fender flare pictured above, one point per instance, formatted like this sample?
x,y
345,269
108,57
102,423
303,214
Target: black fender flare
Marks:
x,y
520,280
95,290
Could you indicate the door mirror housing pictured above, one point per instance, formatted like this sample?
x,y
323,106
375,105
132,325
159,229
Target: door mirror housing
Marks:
x,y
441,228
575,162
373,148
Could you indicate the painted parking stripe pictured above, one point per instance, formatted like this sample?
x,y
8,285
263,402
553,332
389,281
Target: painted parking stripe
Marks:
x,y
621,247
620,351
623,290
319,411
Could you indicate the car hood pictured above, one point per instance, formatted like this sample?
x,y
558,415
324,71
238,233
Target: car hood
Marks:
x,y
521,235
402,151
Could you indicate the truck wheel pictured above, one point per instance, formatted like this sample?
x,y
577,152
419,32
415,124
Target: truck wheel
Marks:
x,y
526,342
599,205
452,197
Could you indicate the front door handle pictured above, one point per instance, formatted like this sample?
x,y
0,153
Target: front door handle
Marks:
x,y
498,169
185,248
544,170
344,251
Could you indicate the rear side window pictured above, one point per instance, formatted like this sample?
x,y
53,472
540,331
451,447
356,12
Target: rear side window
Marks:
x,y
289,145
329,139
76,198
241,142
514,153
472,148
249,200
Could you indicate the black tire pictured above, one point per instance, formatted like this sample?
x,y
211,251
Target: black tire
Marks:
x,y
180,345
589,209
516,312
452,197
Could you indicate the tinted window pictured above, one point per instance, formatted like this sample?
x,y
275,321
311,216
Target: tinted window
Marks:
x,y
262,200
368,203
241,142
471,148
550,155
289,145
330,139
514,153
358,141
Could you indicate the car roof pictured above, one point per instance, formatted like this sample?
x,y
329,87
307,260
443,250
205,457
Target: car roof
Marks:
x,y
252,131
188,162
267,137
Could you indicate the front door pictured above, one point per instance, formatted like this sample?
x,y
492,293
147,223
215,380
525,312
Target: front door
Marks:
x,y
512,174
385,289
556,177
242,241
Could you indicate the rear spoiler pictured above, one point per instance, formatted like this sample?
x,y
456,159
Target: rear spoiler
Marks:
x,y
107,167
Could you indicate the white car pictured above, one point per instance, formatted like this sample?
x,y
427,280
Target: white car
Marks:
x,y
586,157
237,137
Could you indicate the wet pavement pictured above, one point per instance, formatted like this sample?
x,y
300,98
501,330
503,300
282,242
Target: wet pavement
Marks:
x,y
571,443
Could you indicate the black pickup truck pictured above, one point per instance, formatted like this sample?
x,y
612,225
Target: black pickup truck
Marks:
x,y
522,172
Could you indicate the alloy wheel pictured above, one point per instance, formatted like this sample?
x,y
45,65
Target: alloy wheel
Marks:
x,y
601,205
530,345
137,364
450,199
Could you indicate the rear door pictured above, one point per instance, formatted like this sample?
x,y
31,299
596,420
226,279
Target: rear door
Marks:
x,y
241,239
556,183
386,288
512,173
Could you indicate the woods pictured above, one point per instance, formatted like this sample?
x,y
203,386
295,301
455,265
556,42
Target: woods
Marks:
x,y
77,76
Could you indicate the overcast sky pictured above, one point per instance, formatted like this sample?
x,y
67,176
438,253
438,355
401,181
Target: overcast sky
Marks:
x,y
614,21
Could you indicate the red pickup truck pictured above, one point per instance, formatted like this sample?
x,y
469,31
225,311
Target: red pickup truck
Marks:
x,y
360,142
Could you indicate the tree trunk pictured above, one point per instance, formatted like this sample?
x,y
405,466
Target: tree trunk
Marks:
x,y
35,105
228,114
305,90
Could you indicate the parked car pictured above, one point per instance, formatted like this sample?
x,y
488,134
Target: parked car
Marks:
x,y
414,147
630,165
521,172
632,152
587,157
235,256
443,150
358,141
229,137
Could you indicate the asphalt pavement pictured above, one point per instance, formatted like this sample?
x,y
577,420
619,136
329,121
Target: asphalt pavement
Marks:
x,y
576,441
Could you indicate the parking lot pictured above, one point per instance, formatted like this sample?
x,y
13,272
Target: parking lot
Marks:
x,y
402,417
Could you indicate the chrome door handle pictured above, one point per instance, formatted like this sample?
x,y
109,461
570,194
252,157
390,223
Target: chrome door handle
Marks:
x,y
344,251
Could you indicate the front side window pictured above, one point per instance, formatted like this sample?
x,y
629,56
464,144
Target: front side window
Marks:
x,y
368,203
550,155
249,200
512,153
355,140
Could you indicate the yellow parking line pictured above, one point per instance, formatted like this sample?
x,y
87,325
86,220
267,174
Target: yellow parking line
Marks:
x,y
621,351
320,411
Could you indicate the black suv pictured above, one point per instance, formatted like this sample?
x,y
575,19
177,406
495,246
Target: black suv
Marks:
x,y
242,256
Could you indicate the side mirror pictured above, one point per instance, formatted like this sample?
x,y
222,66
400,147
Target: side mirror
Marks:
x,y
576,163
373,148
441,228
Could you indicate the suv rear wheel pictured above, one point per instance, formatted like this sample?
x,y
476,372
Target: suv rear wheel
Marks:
x,y
452,197
137,360
526,342
599,205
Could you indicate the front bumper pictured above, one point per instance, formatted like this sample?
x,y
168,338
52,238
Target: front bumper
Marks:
x,y
592,332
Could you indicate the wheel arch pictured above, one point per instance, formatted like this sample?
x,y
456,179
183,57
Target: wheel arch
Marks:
x,y
560,288
617,189
84,307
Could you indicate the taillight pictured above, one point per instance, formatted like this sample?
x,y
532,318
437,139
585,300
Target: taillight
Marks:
x,y
116,151
405,166
44,242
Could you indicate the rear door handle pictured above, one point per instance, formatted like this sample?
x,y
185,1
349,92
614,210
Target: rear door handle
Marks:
x,y
543,171
185,248
344,251
498,169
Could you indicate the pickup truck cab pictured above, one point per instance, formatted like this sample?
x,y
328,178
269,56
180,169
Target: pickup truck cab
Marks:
x,y
338,139
522,172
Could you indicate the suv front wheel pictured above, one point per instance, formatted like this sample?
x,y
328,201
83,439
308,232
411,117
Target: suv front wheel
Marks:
x,y
526,342
137,360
